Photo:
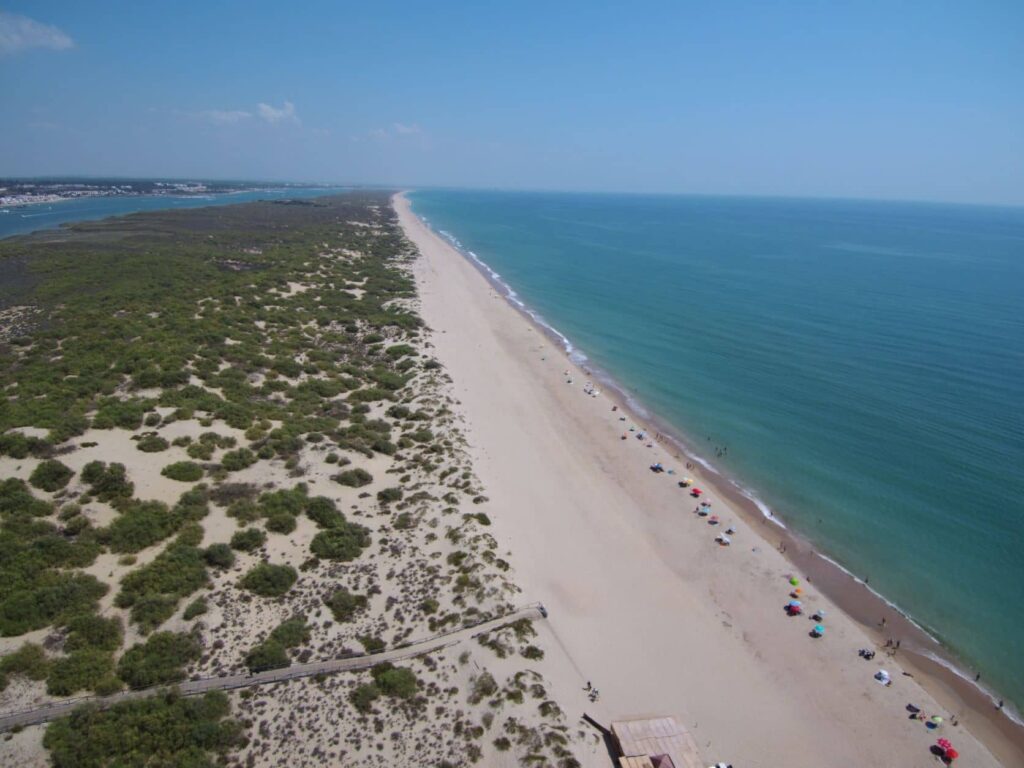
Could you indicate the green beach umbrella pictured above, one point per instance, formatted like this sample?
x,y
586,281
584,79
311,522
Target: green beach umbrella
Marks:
x,y
794,580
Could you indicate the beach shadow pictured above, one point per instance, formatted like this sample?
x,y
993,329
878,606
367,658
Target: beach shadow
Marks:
x,y
606,735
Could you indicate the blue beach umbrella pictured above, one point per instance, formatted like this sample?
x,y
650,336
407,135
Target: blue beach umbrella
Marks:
x,y
819,629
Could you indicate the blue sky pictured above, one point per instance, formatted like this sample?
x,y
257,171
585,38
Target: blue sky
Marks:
x,y
915,100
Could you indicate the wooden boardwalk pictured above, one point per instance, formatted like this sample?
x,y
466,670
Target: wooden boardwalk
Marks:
x,y
203,685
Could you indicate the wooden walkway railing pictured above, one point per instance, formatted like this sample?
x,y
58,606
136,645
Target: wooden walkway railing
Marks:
x,y
48,712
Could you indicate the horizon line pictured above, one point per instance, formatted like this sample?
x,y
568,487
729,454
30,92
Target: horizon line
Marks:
x,y
534,190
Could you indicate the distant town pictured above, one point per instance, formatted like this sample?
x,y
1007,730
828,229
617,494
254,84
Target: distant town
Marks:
x,y
14,192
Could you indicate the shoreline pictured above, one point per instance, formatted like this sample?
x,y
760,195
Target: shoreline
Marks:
x,y
920,653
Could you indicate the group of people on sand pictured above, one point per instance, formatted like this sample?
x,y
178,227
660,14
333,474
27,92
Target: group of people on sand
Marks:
x,y
592,693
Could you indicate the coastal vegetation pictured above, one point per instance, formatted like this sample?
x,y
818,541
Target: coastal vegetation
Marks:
x,y
164,730
189,379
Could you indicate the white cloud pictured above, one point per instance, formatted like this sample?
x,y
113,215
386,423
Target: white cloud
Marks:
x,y
286,114
19,33
405,130
224,116
392,131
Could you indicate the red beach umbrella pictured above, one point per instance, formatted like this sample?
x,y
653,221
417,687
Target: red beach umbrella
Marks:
x,y
952,754
944,743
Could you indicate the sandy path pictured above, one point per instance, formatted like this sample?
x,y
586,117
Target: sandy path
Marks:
x,y
642,600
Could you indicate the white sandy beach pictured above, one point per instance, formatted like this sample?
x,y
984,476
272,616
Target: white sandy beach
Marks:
x,y
643,602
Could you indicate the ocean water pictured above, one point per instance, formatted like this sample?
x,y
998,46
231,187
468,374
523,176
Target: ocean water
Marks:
x,y
19,220
860,363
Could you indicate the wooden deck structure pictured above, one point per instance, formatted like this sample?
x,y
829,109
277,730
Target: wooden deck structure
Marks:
x,y
644,743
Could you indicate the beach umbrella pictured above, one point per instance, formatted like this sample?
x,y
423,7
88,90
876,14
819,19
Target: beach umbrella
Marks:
x,y
794,580
937,720
819,629
944,743
952,754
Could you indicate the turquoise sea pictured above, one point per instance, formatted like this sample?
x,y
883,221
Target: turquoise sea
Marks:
x,y
18,220
861,362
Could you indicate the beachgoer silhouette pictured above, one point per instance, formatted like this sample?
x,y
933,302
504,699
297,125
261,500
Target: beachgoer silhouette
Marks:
x,y
977,677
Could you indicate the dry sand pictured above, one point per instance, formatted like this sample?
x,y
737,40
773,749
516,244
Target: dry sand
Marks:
x,y
641,599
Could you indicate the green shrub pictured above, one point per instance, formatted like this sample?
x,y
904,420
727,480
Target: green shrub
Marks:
x,y
17,499
422,435
81,670
291,632
18,446
219,556
159,660
244,511
345,605
153,590
165,730
150,611
429,605
107,483
397,682
342,542
281,522
267,655
202,451
399,350
152,444
291,502
354,478
140,524
389,494
269,580
233,461
362,698
248,539
29,660
272,652
126,414
47,598
324,512
191,534
185,471
371,644
398,412
91,631
196,608
50,475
